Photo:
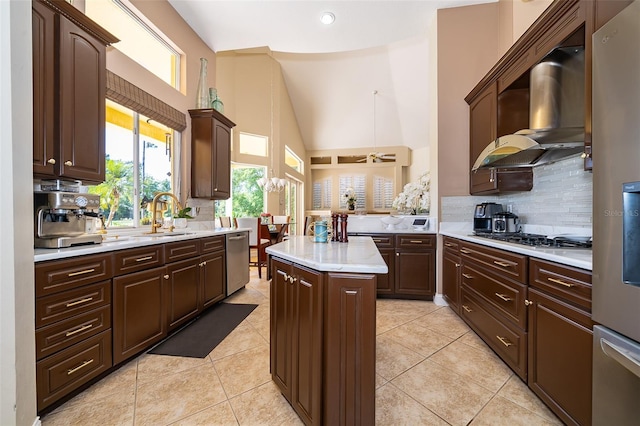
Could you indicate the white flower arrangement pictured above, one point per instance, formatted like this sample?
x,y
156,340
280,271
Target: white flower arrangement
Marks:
x,y
350,197
415,196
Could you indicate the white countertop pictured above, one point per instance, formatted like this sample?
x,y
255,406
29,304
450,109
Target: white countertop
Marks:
x,y
121,240
579,258
359,255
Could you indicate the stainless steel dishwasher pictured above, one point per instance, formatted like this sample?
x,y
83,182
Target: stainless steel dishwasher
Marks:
x,y
237,261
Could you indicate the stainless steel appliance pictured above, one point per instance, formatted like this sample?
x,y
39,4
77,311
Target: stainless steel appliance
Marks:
x,y
505,222
482,216
616,221
60,218
539,240
237,261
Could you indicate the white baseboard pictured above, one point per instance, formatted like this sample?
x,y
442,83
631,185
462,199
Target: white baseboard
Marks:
x,y
438,299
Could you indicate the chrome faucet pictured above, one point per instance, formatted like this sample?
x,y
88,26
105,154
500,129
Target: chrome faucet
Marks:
x,y
154,206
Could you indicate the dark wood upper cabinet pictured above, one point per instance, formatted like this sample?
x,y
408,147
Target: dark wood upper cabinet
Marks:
x,y
69,71
210,154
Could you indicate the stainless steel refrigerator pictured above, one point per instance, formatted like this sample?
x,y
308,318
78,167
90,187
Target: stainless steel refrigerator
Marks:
x,y
616,220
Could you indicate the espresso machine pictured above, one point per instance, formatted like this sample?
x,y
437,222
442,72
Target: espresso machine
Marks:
x,y
61,218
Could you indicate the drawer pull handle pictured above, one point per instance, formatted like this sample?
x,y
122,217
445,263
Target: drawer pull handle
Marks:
x,y
415,241
466,308
79,302
527,302
377,241
448,245
504,341
503,297
503,264
142,259
554,280
457,265
470,277
78,330
465,251
84,364
86,271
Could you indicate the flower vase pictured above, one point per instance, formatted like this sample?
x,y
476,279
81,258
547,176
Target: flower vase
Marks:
x,y
202,95
351,207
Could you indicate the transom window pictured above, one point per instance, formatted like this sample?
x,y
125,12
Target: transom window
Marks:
x,y
138,39
292,160
253,144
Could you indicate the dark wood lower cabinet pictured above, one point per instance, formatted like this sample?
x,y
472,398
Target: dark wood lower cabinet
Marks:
x,y
139,312
451,277
560,357
213,277
323,343
183,291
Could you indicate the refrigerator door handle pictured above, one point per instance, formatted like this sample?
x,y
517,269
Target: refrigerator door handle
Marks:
x,y
621,356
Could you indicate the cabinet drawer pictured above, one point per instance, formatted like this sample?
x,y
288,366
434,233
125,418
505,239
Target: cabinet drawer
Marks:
x,y
211,244
60,275
571,284
67,370
560,30
508,264
181,250
138,259
451,244
416,241
381,240
509,343
504,295
63,334
65,305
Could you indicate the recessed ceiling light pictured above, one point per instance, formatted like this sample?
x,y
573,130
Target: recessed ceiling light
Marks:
x,y
327,18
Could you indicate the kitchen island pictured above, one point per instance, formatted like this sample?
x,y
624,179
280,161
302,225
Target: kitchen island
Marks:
x,y
323,327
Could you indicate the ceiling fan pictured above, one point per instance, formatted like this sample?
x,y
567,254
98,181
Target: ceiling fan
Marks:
x,y
376,156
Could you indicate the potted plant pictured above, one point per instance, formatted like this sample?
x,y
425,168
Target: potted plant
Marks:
x,y
180,218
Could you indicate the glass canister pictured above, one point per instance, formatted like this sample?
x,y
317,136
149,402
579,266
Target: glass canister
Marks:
x,y
216,103
202,95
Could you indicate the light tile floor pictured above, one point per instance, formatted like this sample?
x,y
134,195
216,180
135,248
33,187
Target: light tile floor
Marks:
x,y
431,369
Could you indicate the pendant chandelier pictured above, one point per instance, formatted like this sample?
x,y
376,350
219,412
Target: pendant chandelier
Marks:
x,y
271,183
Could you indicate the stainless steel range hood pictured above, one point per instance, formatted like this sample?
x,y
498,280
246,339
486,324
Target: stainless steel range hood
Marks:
x,y
556,116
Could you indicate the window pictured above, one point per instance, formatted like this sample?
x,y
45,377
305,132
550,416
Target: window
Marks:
x,y
138,165
138,39
322,193
383,194
357,183
292,160
253,144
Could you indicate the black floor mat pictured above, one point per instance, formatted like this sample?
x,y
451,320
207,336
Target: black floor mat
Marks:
x,y
199,338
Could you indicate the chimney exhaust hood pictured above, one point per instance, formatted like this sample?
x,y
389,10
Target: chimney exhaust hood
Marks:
x,y
556,116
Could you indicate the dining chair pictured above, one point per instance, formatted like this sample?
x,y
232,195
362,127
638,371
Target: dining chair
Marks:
x,y
284,222
255,240
225,221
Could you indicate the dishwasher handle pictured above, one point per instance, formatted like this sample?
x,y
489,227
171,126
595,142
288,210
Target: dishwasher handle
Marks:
x,y
621,355
239,237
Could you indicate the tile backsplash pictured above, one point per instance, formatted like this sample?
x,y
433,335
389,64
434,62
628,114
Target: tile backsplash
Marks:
x,y
561,196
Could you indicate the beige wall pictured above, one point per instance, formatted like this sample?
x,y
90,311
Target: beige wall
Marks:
x,y
252,87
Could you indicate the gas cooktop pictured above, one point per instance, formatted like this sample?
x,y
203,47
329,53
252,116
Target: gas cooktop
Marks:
x,y
537,240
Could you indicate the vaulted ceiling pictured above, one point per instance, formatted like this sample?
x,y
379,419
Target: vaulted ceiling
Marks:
x,y
331,71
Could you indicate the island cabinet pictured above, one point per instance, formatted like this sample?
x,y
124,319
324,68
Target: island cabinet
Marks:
x,y
493,294
69,84
323,343
73,325
210,154
451,273
561,339
411,260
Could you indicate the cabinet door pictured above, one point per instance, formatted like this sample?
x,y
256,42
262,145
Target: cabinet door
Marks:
x,y
221,162
451,279
306,344
415,273
213,277
82,104
386,282
43,33
281,329
483,126
560,357
183,291
139,312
